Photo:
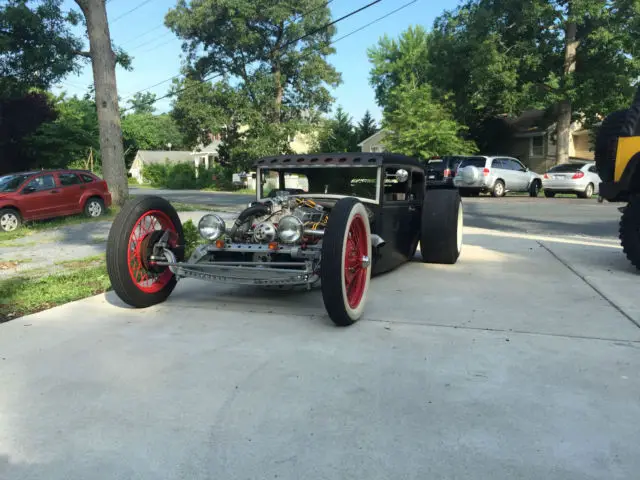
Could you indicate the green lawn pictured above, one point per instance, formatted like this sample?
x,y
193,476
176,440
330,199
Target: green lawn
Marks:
x,y
30,293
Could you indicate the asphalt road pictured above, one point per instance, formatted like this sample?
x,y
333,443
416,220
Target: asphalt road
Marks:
x,y
542,216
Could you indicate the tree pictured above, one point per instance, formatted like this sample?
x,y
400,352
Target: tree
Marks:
x,y
397,62
69,138
338,134
366,127
578,57
143,102
103,60
277,81
145,131
422,127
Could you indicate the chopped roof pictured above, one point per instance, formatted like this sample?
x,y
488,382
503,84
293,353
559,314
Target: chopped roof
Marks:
x,y
337,159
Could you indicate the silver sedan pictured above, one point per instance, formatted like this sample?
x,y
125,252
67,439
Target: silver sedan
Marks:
x,y
579,178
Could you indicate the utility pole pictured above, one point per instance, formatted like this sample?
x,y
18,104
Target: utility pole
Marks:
x,y
103,61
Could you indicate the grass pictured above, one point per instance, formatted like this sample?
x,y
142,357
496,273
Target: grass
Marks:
x,y
30,294
242,191
30,228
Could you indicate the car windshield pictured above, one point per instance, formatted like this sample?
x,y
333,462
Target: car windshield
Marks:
x,y
11,183
350,181
478,162
567,167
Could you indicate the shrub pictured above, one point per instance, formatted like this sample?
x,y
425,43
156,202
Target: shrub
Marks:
x,y
183,176
191,238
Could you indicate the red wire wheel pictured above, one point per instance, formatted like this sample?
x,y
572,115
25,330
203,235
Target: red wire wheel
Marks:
x,y
355,273
136,229
345,267
147,230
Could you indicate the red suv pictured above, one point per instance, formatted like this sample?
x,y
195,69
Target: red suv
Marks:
x,y
50,193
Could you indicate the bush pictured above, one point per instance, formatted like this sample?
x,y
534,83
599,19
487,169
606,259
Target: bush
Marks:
x,y
191,238
183,176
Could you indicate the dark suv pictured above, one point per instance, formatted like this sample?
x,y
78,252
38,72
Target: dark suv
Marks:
x,y
441,170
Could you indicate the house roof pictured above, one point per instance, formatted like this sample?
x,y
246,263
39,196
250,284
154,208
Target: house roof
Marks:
x,y
379,133
211,148
160,156
531,121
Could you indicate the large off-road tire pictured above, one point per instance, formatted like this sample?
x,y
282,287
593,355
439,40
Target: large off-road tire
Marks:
x,y
630,231
346,262
442,227
10,220
140,224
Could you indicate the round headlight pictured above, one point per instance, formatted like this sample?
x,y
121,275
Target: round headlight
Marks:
x,y
211,227
290,229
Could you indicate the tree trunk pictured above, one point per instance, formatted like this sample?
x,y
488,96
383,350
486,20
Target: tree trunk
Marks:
x,y
563,127
279,94
103,61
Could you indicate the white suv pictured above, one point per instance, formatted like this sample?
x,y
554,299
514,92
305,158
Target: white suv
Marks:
x,y
496,175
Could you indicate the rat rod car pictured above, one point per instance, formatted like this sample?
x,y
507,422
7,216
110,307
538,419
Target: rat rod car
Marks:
x,y
332,219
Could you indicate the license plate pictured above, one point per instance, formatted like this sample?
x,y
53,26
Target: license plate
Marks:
x,y
432,177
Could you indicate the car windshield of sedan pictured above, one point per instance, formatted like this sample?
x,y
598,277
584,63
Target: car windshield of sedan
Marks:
x,y
11,183
358,182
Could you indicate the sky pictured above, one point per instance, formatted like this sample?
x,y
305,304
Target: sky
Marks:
x,y
157,54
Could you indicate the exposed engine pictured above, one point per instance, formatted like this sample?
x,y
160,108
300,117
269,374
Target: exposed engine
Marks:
x,y
259,222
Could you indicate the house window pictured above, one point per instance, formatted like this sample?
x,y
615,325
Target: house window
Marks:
x,y
537,146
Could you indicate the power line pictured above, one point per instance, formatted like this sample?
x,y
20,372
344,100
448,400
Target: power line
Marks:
x,y
130,11
157,27
206,79
143,44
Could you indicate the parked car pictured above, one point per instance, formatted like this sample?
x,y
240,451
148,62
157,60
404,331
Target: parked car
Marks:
x,y
361,215
496,175
39,195
440,171
579,178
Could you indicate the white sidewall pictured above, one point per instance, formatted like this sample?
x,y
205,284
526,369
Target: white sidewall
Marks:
x,y
356,313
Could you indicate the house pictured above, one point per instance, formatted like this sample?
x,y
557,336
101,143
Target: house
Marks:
x,y
374,144
533,140
148,157
207,155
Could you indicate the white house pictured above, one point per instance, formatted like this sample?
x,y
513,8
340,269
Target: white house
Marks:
x,y
374,144
149,157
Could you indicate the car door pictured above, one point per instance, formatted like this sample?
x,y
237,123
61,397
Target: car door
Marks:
x,y
499,170
398,210
71,189
518,175
40,198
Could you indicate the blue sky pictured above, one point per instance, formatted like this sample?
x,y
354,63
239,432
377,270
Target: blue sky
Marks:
x,y
157,54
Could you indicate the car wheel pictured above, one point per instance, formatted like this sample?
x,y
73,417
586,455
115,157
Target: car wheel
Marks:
x,y
137,228
588,192
10,220
630,231
549,194
498,189
94,207
345,270
535,188
442,227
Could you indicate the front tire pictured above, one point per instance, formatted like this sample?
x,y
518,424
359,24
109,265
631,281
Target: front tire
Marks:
x,y
94,207
10,220
442,227
630,231
135,230
535,188
345,268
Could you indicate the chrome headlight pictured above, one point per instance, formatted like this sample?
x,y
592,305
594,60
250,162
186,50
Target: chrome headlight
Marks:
x,y
211,227
290,229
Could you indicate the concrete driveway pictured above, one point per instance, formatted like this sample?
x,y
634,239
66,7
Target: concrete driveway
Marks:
x,y
520,362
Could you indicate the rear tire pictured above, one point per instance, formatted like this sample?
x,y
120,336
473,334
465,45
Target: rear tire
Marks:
x,y
588,192
630,231
94,207
549,194
135,229
345,273
10,220
442,227
498,189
